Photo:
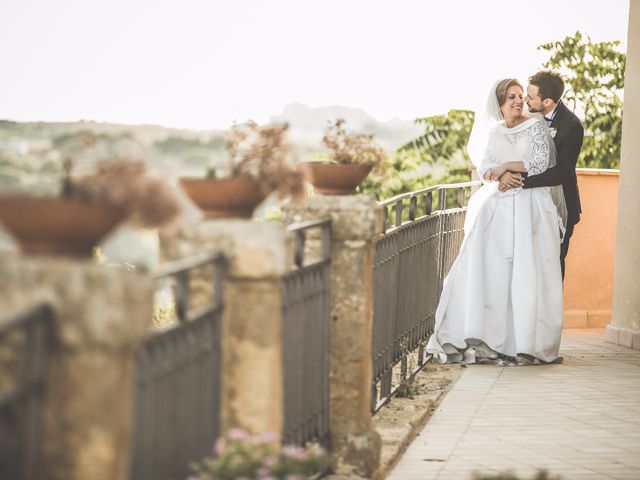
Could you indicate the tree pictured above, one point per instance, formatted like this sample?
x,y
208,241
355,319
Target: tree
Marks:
x,y
438,156
445,136
594,73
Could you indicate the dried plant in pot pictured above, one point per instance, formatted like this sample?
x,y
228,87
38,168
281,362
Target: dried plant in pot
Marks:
x,y
352,157
88,208
259,163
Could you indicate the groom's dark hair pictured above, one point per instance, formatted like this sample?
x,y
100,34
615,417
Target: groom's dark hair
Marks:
x,y
550,84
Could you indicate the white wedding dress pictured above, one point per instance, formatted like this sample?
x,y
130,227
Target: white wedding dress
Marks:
x,y
502,299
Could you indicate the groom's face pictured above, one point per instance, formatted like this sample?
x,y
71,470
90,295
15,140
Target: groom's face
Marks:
x,y
533,100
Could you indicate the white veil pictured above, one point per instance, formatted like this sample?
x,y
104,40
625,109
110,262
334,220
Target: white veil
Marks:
x,y
486,117
484,123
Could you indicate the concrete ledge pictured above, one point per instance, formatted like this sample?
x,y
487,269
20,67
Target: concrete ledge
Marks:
x,y
598,171
586,318
622,336
598,318
576,319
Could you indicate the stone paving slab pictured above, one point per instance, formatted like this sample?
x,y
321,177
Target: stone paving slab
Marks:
x,y
579,419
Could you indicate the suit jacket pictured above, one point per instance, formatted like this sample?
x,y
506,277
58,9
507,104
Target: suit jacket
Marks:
x,y
568,141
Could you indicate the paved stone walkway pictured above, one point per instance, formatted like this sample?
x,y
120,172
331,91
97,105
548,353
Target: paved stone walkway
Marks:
x,y
579,419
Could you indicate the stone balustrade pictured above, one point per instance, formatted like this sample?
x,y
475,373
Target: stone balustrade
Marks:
x,y
103,314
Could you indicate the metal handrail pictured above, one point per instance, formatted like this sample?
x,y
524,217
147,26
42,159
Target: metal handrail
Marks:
x,y
416,193
176,266
308,224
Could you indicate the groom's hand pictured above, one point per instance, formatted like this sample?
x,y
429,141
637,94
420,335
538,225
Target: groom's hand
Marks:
x,y
510,180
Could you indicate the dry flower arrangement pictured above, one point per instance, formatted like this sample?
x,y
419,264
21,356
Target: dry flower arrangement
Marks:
x,y
353,148
259,163
88,207
261,152
351,157
127,186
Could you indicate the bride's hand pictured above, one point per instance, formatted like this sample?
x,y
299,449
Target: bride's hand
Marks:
x,y
510,180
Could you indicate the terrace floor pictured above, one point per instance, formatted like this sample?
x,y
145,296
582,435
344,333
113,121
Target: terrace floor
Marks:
x,y
579,419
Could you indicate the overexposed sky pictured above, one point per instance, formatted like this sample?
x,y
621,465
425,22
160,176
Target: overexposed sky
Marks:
x,y
205,63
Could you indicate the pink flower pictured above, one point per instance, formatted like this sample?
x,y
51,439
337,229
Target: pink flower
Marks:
x,y
238,434
267,437
220,446
293,451
264,473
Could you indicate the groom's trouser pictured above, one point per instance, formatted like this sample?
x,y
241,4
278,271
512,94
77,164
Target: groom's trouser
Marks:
x,y
564,248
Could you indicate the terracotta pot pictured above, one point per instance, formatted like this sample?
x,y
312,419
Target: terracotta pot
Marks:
x,y
55,226
224,197
336,178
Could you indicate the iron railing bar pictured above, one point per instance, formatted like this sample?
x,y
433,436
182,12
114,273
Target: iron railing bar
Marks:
x,y
298,247
384,400
326,242
176,266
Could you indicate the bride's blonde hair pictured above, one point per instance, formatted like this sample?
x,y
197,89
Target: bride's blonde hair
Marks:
x,y
503,86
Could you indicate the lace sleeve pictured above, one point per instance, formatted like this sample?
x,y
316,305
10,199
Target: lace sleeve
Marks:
x,y
539,161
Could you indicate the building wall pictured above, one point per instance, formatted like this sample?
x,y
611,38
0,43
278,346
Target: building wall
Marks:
x,y
588,283
625,323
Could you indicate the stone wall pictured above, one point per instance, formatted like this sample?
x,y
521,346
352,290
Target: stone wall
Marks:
x,y
101,316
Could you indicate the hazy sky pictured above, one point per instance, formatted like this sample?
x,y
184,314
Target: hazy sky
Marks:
x,y
204,63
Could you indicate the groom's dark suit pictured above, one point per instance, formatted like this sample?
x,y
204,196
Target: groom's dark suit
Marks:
x,y
568,141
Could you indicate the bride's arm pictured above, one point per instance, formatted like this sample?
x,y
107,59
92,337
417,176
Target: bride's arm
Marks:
x,y
494,173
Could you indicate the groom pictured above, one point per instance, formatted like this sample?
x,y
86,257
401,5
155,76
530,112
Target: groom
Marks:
x,y
543,96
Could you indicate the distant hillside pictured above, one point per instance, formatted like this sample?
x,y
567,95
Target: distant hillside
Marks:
x,y
307,126
31,152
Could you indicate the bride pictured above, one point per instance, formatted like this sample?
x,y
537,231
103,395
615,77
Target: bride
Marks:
x,y
502,299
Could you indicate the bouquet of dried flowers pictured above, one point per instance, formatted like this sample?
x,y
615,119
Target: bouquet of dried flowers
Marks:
x,y
240,455
260,152
127,186
353,148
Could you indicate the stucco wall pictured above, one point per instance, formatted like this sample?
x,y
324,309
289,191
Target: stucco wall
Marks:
x,y
588,284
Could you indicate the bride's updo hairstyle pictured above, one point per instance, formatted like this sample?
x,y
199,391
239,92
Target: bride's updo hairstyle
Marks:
x,y
503,86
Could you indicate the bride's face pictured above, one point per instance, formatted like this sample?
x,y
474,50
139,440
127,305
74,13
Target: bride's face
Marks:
x,y
513,103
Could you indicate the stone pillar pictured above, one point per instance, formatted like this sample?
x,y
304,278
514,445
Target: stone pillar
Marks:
x,y
356,220
259,255
101,316
625,323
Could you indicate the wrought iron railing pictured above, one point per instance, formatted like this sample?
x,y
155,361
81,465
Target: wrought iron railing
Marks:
x,y
412,258
306,336
25,341
177,407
